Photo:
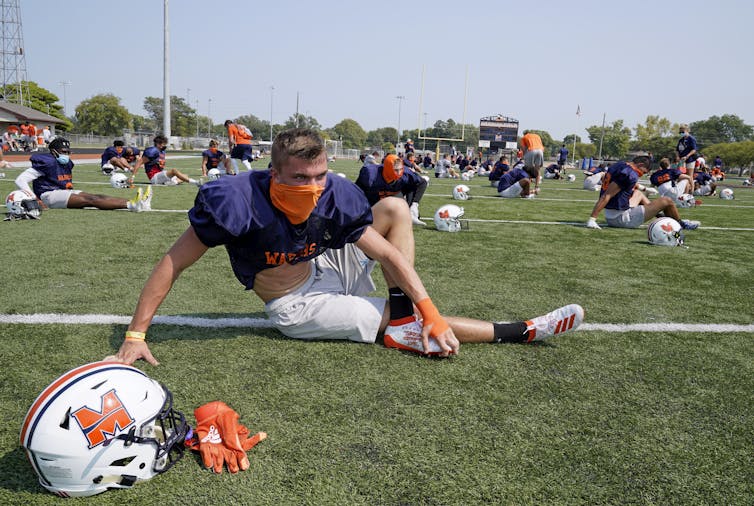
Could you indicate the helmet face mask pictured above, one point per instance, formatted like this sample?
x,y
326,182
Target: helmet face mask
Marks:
x,y
447,218
665,232
119,181
213,174
100,426
22,205
461,192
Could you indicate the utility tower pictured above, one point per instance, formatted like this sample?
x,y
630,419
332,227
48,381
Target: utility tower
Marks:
x,y
13,72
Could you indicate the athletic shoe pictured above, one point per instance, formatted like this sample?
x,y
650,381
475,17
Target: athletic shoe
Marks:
x,y
690,224
406,334
135,204
199,182
146,201
554,323
414,210
530,196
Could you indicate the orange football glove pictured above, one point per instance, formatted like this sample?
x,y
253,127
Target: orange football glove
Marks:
x,y
222,439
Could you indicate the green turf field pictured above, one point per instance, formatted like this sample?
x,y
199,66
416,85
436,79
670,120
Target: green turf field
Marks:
x,y
592,417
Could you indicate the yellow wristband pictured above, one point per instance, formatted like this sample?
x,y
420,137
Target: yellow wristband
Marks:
x,y
135,336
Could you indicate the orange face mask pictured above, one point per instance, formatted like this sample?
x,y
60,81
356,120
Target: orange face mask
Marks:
x,y
296,202
119,150
213,150
392,168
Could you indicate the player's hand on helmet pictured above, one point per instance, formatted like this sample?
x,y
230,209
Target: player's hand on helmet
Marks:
x,y
447,340
592,223
131,351
220,438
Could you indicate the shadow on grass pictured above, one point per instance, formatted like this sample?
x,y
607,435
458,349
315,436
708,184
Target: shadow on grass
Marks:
x,y
18,475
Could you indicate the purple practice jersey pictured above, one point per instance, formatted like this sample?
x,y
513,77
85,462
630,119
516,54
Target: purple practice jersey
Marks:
x,y
664,175
498,171
374,186
213,159
109,154
702,178
626,177
686,145
238,213
595,169
54,175
510,178
155,161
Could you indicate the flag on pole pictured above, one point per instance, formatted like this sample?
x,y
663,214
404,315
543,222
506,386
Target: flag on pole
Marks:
x,y
578,110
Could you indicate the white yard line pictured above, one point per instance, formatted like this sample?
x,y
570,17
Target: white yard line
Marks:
x,y
252,322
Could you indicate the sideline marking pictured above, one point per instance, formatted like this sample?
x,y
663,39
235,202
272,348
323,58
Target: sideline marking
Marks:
x,y
255,322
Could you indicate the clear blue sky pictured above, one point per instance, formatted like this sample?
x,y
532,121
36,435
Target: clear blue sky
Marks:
x,y
534,61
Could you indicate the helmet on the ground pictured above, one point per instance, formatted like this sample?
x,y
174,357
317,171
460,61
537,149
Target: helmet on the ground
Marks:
x,y
571,178
447,218
726,194
461,192
107,168
22,204
665,232
686,200
213,174
102,425
119,181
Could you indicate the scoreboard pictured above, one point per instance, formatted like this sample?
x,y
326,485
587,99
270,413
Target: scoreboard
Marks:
x,y
498,132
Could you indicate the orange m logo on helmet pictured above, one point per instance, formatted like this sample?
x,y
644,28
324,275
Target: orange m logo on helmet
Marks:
x,y
444,213
97,425
667,227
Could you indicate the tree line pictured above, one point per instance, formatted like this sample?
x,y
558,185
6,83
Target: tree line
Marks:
x,y
103,114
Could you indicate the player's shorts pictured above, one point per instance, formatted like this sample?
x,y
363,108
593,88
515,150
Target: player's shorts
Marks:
x,y
512,191
163,178
593,182
703,191
561,163
551,175
630,218
534,158
57,199
690,166
242,152
332,303
668,190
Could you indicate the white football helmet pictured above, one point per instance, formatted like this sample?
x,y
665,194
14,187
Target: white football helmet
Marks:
x,y
665,232
686,200
213,174
119,181
571,178
447,218
22,204
102,425
107,168
461,192
726,194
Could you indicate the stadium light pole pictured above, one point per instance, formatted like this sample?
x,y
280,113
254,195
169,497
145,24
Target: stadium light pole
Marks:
x,y
272,92
602,137
424,141
65,85
209,118
197,117
166,75
400,98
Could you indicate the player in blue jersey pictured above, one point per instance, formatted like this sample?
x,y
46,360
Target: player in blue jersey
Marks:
x,y
670,181
153,161
562,159
627,207
212,158
392,179
593,177
50,178
704,184
500,168
112,158
305,241
516,183
687,149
